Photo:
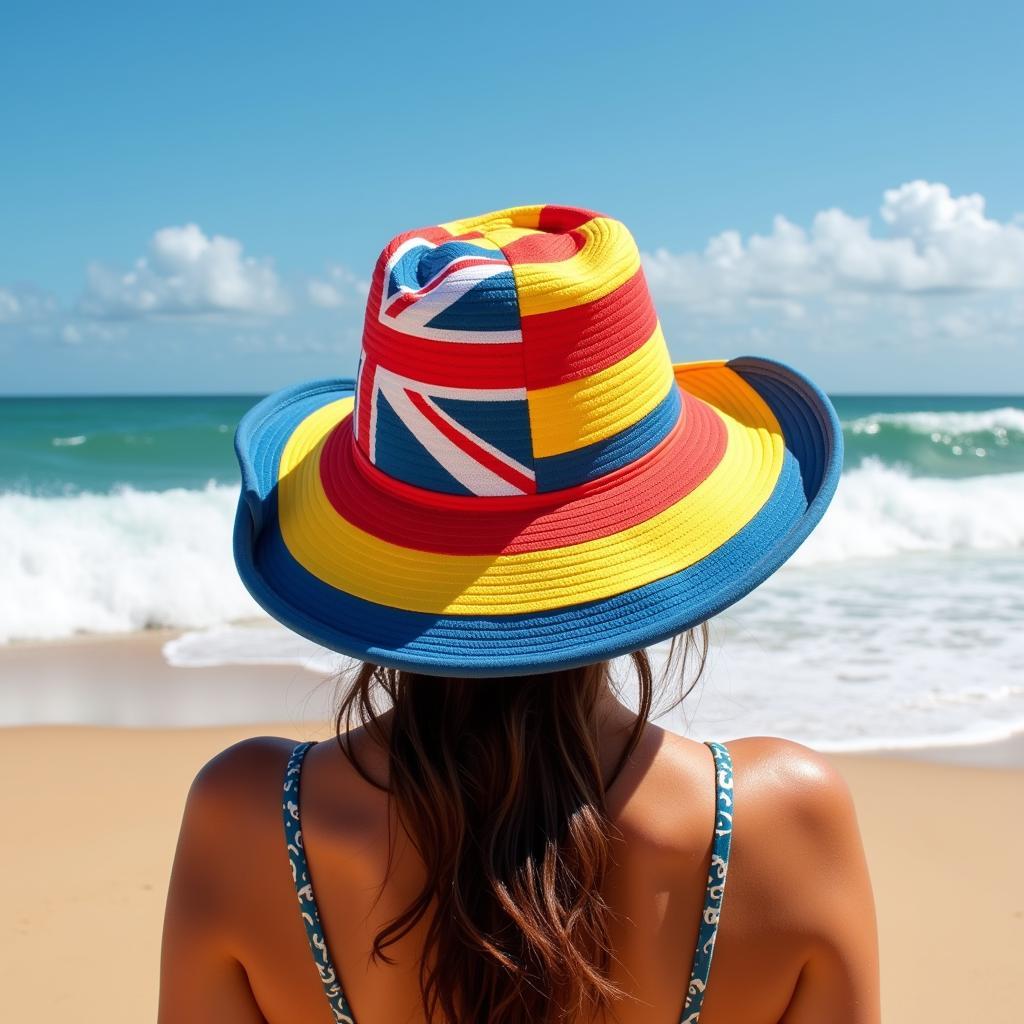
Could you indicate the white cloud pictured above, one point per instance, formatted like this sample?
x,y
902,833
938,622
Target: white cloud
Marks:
x,y
935,244
186,272
10,307
75,332
338,287
930,270
21,304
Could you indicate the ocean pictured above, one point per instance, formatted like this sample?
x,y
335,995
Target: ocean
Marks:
x,y
896,625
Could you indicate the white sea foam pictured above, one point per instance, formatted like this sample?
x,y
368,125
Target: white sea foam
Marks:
x,y
251,644
117,562
917,651
68,442
881,511
135,559
1001,422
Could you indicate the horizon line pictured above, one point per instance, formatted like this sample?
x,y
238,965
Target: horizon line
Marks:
x,y
264,394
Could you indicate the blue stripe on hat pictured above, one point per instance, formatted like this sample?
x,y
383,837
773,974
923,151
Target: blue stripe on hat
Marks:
x,y
567,469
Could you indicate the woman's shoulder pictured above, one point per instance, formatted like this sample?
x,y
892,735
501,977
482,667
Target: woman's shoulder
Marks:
x,y
795,828
234,800
798,875
237,796
771,767
231,835
778,776
791,805
242,771
771,771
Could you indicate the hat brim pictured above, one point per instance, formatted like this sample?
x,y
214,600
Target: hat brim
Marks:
x,y
469,586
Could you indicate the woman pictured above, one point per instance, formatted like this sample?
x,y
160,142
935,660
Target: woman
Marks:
x,y
519,484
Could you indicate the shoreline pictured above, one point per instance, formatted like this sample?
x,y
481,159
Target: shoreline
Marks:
x,y
123,680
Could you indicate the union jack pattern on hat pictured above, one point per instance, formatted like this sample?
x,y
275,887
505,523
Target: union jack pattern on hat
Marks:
x,y
560,413
437,437
453,291
459,438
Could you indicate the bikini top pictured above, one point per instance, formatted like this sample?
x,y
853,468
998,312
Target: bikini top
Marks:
x,y
714,894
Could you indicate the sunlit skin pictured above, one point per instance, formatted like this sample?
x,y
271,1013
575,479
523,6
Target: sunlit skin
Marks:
x,y
797,941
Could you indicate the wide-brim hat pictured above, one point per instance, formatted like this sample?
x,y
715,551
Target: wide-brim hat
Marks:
x,y
519,479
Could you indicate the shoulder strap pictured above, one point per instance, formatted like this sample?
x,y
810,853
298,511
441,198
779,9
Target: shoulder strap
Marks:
x,y
304,888
715,893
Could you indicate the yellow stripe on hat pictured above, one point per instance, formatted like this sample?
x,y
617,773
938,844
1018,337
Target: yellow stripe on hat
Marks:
x,y
609,257
514,216
485,243
579,412
356,562
502,236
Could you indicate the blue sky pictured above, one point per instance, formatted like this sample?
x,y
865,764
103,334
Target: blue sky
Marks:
x,y
191,196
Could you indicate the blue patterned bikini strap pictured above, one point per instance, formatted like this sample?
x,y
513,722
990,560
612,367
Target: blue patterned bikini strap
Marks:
x,y
715,893
304,889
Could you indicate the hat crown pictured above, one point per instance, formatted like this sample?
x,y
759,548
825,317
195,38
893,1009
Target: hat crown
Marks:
x,y
512,353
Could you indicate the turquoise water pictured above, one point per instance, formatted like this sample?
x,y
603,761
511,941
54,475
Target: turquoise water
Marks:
x,y
945,436
57,445
52,446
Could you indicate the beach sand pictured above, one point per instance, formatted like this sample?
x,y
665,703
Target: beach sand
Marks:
x,y
88,839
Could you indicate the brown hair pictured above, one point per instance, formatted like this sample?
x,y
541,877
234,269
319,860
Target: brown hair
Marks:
x,y
499,786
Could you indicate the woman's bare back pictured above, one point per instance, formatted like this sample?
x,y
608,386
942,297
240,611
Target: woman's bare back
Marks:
x,y
796,941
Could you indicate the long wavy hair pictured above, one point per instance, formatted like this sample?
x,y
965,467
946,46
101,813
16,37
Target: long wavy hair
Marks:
x,y
498,784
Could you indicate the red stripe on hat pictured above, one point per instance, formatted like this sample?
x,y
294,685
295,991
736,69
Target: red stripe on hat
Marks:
x,y
543,248
556,238
571,343
470,447
425,520
458,364
564,218
364,402
454,363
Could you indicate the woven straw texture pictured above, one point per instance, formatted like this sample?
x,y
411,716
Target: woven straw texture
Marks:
x,y
518,479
